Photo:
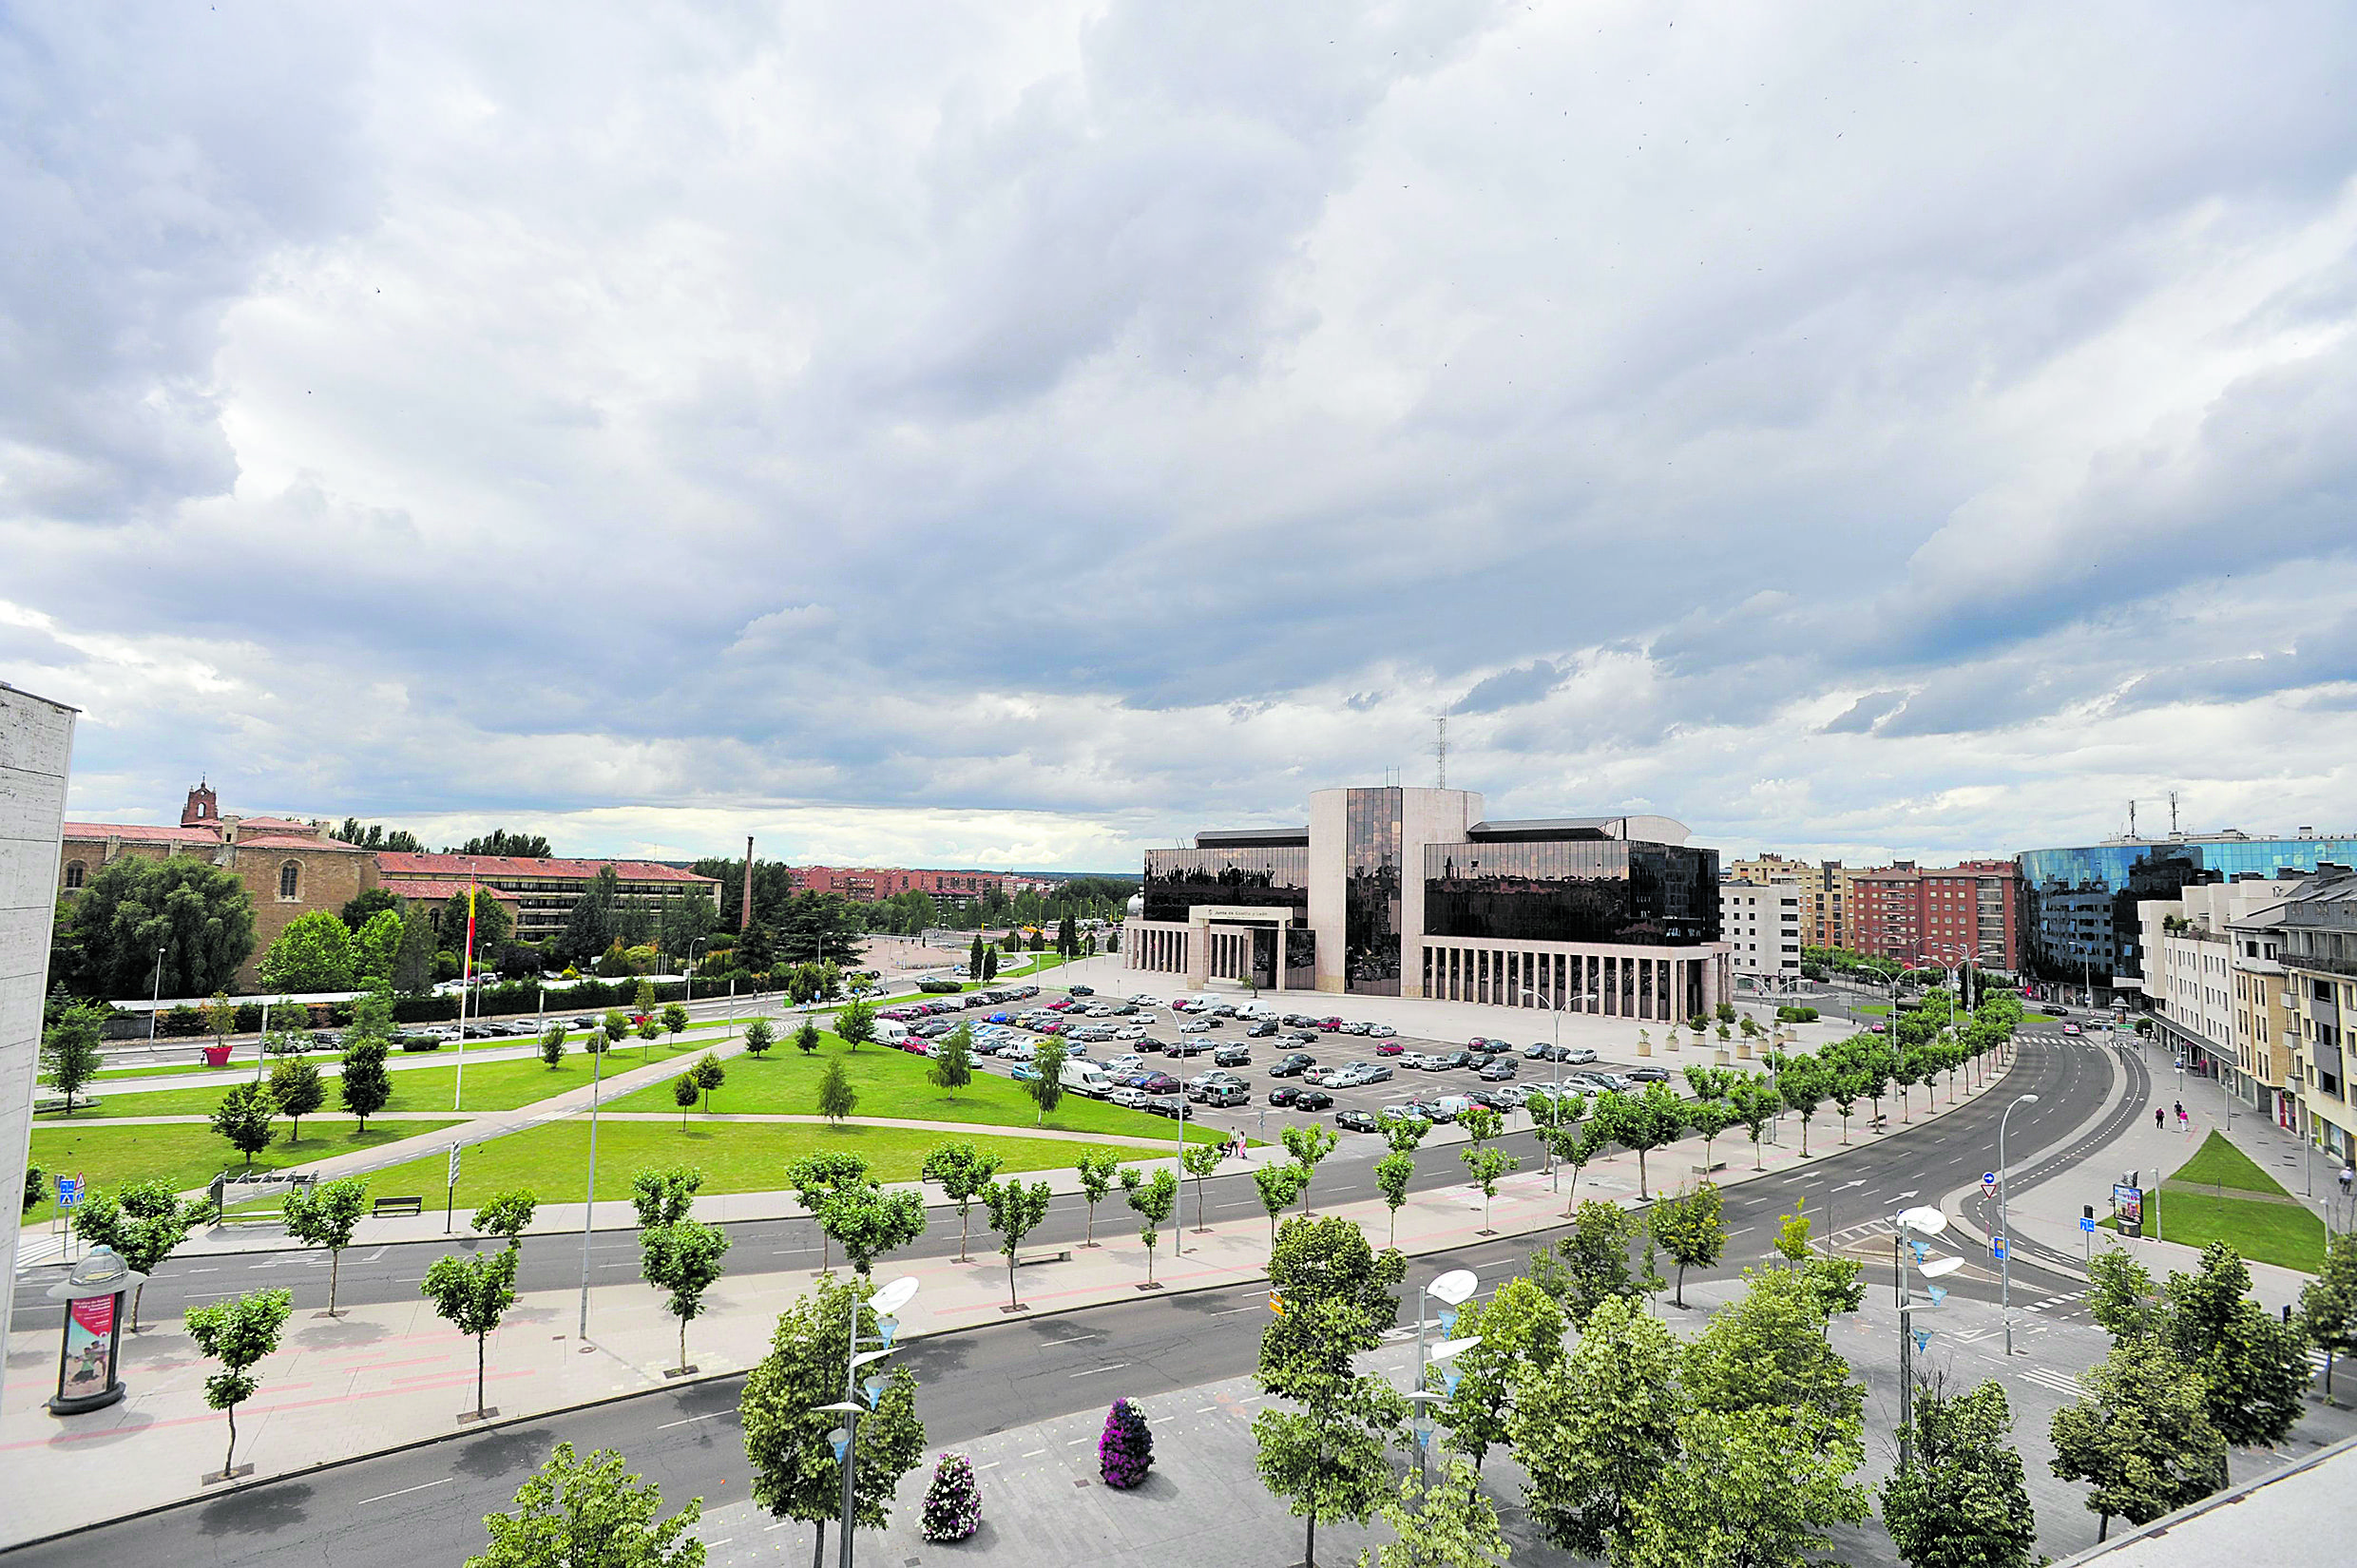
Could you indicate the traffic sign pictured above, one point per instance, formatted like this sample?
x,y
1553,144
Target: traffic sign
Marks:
x,y
1988,1182
2087,1223
69,1192
1997,1246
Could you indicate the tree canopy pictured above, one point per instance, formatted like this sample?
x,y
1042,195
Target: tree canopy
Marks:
x,y
197,913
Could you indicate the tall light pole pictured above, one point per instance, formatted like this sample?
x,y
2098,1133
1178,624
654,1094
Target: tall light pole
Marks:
x,y
886,1303
1452,1289
2004,1264
1904,1228
598,1044
1555,1054
155,1003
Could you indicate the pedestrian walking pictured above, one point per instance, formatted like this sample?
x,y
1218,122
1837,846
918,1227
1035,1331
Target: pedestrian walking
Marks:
x,y
2157,1114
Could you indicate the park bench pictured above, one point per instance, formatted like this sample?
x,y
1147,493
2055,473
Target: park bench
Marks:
x,y
1029,1256
388,1208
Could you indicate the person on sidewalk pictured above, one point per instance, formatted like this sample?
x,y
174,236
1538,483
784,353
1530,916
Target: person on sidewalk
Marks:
x,y
2157,1115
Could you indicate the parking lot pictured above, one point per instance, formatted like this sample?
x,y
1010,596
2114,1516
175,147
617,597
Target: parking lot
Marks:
x,y
1153,1029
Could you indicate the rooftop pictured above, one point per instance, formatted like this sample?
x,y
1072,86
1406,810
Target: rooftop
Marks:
x,y
395,863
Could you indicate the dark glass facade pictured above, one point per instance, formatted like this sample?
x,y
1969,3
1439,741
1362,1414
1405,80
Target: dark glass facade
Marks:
x,y
1606,891
1177,880
1370,909
2080,906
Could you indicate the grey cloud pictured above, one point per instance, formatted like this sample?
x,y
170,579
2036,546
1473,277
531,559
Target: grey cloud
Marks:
x,y
1861,717
1511,688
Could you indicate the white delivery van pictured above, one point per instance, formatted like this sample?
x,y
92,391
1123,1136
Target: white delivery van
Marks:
x,y
1082,1079
890,1031
1454,1105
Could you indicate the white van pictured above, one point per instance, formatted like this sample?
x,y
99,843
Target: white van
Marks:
x,y
1082,1079
890,1031
1454,1106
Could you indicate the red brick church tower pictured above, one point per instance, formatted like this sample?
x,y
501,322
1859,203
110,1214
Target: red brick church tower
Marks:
x,y
203,809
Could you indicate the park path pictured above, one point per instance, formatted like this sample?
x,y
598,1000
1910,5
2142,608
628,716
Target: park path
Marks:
x,y
957,1129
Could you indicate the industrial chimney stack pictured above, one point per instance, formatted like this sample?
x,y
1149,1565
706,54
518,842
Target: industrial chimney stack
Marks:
x,y
744,912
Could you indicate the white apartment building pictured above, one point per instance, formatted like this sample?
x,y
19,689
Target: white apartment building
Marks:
x,y
2200,985
1761,925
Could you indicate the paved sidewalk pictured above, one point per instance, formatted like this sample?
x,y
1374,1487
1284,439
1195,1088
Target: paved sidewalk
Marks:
x,y
385,1376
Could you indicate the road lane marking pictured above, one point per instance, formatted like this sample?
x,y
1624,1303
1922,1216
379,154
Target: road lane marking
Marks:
x,y
404,1491
1092,1371
691,1421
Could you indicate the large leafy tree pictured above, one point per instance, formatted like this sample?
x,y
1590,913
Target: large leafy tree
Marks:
x,y
1962,1501
2141,1438
854,1023
1448,1525
1594,1428
376,950
1520,1330
589,1514
1641,1122
2328,1303
866,1221
295,1087
814,926
595,920
314,953
2254,1367
199,913
788,1440
499,841
1768,1351
367,905
1328,1455
1753,1488
1591,1265
494,926
412,961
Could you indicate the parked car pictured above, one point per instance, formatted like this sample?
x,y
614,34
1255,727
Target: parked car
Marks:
x,y
1226,1094
1127,1096
1285,1094
1127,1063
1578,1053
1537,1049
1376,1072
1498,1069
1381,1031
1357,1120
1426,1110
1234,1055
1396,1113
1320,1075
1414,1060
1173,1106
1456,1058
1187,1046
1292,1065
1082,990
1357,1027
1025,1072
1508,1094
1648,1074
1312,1100
1261,1030
1194,1027
1158,1084
1330,1024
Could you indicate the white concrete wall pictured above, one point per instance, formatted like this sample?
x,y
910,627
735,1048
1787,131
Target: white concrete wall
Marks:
x,y
1330,859
36,750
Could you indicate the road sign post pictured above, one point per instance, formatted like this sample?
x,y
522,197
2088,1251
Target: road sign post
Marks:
x,y
2086,1229
450,1199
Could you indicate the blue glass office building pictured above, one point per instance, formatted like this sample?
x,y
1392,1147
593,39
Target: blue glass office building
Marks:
x,y
2080,906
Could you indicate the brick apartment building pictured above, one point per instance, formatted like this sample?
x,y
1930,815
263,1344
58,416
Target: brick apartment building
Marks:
x,y
873,885
1938,916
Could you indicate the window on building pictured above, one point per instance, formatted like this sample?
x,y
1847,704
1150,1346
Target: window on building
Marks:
x,y
290,880
73,873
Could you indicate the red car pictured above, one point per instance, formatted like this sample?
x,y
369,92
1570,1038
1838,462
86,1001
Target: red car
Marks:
x,y
1390,1048
1329,1024
1053,1026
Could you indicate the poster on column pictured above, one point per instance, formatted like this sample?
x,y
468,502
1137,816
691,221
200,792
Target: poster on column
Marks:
x,y
89,1327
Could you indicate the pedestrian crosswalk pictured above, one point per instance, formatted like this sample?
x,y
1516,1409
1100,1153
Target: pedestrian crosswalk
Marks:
x,y
2053,1303
2060,1382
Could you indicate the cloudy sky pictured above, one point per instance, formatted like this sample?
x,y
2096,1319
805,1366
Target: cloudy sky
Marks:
x,y
1023,434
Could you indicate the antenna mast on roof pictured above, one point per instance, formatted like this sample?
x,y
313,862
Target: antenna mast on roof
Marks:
x,y
2132,816
1440,752
2172,814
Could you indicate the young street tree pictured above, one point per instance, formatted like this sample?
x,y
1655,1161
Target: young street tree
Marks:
x,y
472,1294
365,1087
1593,1430
2141,1438
1691,1230
589,1514
954,1069
866,1222
237,1333
143,1221
326,1215
295,1087
854,1023
1015,1213
1279,1185
806,1039
507,1215
1452,1525
243,1117
1394,1172
709,1075
1046,1090
816,1177
1643,1123
674,1020
837,1099
684,1093
1153,1200
664,1196
69,1053
1097,1169
961,1171
759,1036
683,1259
1308,1146
1755,1487
553,1047
2253,1367
1488,1164
787,1431
1199,1160
1590,1266
1963,1503
1768,1351
1327,1456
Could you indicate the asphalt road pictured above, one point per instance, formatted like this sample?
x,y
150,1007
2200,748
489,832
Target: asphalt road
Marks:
x,y
426,1504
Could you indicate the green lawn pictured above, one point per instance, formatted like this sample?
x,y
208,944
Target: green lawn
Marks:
x,y
490,1085
553,1161
241,1061
891,1082
1879,1009
189,1156
2286,1234
2218,1163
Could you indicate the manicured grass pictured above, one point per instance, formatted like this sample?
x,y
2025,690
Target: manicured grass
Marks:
x,y
1879,1009
891,1082
2286,1234
190,1157
490,1085
553,1161
241,1061
2219,1163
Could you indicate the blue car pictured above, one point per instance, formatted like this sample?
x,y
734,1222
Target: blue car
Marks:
x,y
998,1018
1025,1072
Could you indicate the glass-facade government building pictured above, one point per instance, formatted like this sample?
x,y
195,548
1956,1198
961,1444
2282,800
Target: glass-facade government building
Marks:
x,y
2081,904
1411,892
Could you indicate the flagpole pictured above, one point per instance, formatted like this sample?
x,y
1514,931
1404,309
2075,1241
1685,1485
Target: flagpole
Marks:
x,y
465,988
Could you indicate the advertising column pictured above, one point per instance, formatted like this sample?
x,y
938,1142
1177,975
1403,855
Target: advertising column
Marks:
x,y
36,747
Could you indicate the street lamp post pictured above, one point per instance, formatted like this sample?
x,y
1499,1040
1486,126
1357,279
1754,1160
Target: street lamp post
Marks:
x,y
155,1003
598,1047
886,1303
1555,1054
2004,1264
1907,1225
1452,1289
